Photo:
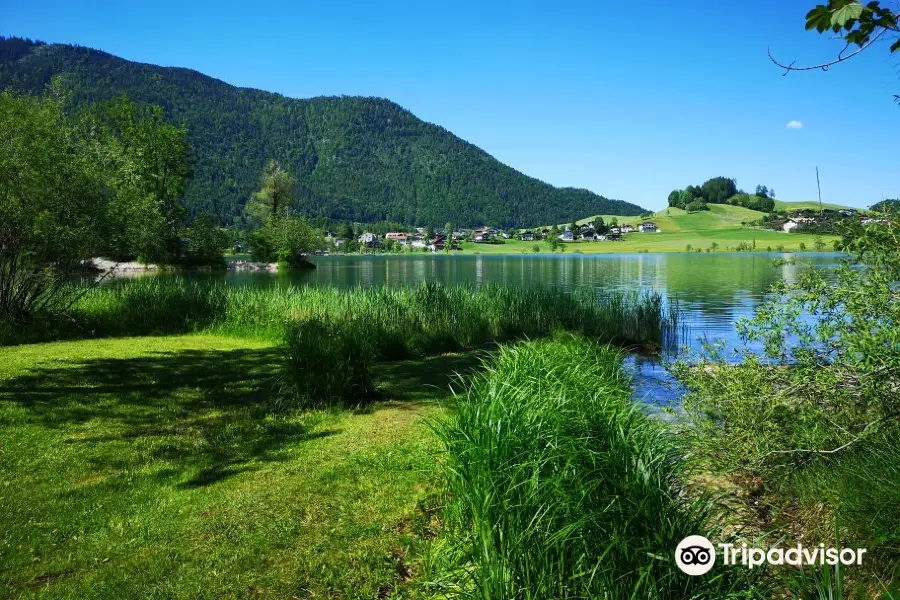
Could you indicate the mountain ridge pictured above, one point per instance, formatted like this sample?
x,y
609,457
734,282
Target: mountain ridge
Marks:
x,y
355,158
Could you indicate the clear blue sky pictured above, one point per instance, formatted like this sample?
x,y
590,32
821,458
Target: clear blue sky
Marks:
x,y
627,100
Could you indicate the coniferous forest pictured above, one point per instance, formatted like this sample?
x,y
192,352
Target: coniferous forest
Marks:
x,y
354,158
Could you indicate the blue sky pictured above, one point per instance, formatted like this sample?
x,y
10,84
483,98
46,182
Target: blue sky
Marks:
x,y
625,99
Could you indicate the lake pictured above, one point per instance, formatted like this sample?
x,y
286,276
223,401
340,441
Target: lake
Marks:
x,y
713,290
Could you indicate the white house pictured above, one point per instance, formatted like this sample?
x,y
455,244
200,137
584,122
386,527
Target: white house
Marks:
x,y
368,239
567,236
647,227
789,226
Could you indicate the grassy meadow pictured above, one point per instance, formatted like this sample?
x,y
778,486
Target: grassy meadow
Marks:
x,y
720,225
177,452
162,467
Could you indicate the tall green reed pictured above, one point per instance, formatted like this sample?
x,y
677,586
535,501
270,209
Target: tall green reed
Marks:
x,y
561,487
407,321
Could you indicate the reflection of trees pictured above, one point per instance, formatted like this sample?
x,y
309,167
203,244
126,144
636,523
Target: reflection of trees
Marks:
x,y
716,285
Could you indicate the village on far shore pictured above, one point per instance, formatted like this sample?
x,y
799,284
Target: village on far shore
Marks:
x,y
419,239
424,239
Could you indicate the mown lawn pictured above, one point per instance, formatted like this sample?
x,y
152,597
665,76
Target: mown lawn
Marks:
x,y
164,467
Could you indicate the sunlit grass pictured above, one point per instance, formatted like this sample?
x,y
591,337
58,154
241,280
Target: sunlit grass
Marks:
x,y
164,468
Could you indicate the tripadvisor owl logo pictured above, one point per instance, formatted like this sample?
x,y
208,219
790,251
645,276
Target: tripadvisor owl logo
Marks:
x,y
695,555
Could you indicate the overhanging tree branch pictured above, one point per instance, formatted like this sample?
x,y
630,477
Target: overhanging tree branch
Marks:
x,y
825,66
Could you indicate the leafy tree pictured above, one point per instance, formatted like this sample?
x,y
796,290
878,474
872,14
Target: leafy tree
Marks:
x,y
696,206
448,233
149,168
73,187
53,205
886,206
206,241
718,190
346,231
840,391
280,236
675,198
535,248
275,197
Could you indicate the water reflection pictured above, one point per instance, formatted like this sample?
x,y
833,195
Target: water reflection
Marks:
x,y
713,290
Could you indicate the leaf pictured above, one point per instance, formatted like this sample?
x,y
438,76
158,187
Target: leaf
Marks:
x,y
852,11
895,46
818,18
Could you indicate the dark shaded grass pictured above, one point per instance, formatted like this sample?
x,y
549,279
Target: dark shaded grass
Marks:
x,y
863,486
560,487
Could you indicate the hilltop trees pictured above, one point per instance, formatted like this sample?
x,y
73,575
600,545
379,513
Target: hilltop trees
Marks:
x,y
718,190
721,190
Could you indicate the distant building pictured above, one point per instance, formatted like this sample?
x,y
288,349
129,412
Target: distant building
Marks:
x,y
567,236
439,243
627,229
528,236
615,230
400,238
368,239
648,227
789,225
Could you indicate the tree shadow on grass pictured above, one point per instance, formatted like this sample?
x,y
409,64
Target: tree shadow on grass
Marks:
x,y
428,379
200,415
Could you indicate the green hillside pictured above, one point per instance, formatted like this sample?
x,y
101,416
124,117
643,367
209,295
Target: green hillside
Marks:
x,y
811,204
722,227
354,158
670,220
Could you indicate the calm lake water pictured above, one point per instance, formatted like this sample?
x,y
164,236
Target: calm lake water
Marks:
x,y
713,290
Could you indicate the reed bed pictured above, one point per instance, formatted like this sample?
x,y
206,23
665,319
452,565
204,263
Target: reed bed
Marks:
x,y
405,320
560,487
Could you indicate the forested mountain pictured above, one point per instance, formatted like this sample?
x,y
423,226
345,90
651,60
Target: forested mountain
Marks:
x,y
354,158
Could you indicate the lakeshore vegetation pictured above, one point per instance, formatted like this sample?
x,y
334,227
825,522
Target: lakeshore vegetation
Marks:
x,y
167,439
